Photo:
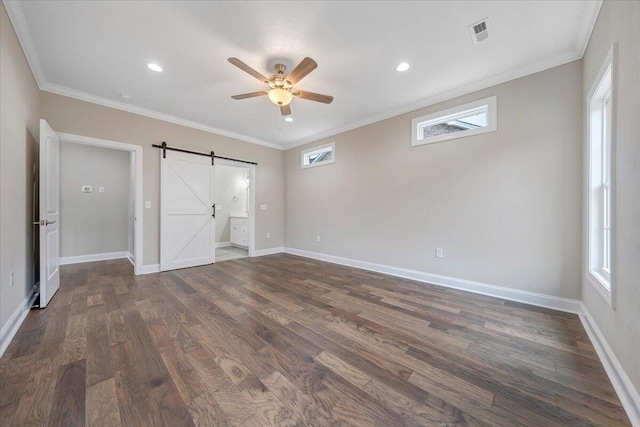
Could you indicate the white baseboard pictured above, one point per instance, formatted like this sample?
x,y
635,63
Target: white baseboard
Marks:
x,y
13,324
268,251
627,393
131,258
150,268
540,300
93,257
223,244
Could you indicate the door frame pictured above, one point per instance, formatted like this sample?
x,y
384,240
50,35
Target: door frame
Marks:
x,y
252,198
136,150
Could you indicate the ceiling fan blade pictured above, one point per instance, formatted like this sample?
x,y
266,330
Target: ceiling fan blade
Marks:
x,y
249,95
244,67
306,66
318,97
285,110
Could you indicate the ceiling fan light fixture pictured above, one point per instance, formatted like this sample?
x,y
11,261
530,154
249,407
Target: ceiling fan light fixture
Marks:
x,y
280,96
403,66
155,67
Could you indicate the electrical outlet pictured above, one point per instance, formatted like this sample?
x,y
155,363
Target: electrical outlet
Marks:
x,y
318,237
268,235
101,189
86,189
11,278
439,253
147,204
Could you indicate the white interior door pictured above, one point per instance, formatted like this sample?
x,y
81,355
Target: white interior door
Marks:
x,y
187,211
49,213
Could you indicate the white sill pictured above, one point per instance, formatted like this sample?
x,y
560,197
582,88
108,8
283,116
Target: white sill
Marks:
x,y
454,135
313,165
602,285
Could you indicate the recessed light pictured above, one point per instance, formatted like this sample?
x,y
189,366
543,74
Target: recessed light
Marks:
x,y
155,67
403,66
288,119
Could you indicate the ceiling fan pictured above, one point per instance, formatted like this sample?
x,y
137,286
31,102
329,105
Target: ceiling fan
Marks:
x,y
281,90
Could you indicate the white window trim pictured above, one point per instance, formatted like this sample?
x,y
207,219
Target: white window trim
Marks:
x,y
597,279
319,147
492,121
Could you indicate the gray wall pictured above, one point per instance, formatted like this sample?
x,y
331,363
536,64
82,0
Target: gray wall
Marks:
x,y
620,21
84,118
505,205
230,183
19,133
94,223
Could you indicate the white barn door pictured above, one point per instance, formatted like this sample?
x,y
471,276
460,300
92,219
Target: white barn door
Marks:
x,y
187,211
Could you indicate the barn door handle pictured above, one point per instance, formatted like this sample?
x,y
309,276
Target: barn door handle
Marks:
x,y
43,222
213,208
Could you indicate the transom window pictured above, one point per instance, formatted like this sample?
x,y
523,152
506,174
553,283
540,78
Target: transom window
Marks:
x,y
318,156
601,139
465,120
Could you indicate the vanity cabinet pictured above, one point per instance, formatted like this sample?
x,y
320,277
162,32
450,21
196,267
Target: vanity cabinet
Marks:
x,y
239,234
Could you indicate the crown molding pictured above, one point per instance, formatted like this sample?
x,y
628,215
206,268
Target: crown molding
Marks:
x,y
106,102
16,16
587,24
445,96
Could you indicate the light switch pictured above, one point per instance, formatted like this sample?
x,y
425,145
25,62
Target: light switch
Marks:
x,y
147,204
263,207
101,189
439,253
86,189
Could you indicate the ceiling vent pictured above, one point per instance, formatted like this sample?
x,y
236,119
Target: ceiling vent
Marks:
x,y
479,31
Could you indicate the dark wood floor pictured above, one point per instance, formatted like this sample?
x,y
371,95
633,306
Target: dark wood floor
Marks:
x,y
282,340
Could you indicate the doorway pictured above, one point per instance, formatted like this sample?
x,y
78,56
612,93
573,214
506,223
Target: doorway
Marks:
x,y
235,218
129,197
232,206
96,203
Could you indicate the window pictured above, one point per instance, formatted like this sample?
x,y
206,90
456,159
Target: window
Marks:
x,y
601,140
464,120
318,156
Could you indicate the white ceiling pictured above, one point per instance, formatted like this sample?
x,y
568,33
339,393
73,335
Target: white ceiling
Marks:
x,y
94,50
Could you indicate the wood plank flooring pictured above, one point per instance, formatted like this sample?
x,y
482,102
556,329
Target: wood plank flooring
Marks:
x,y
226,253
286,341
